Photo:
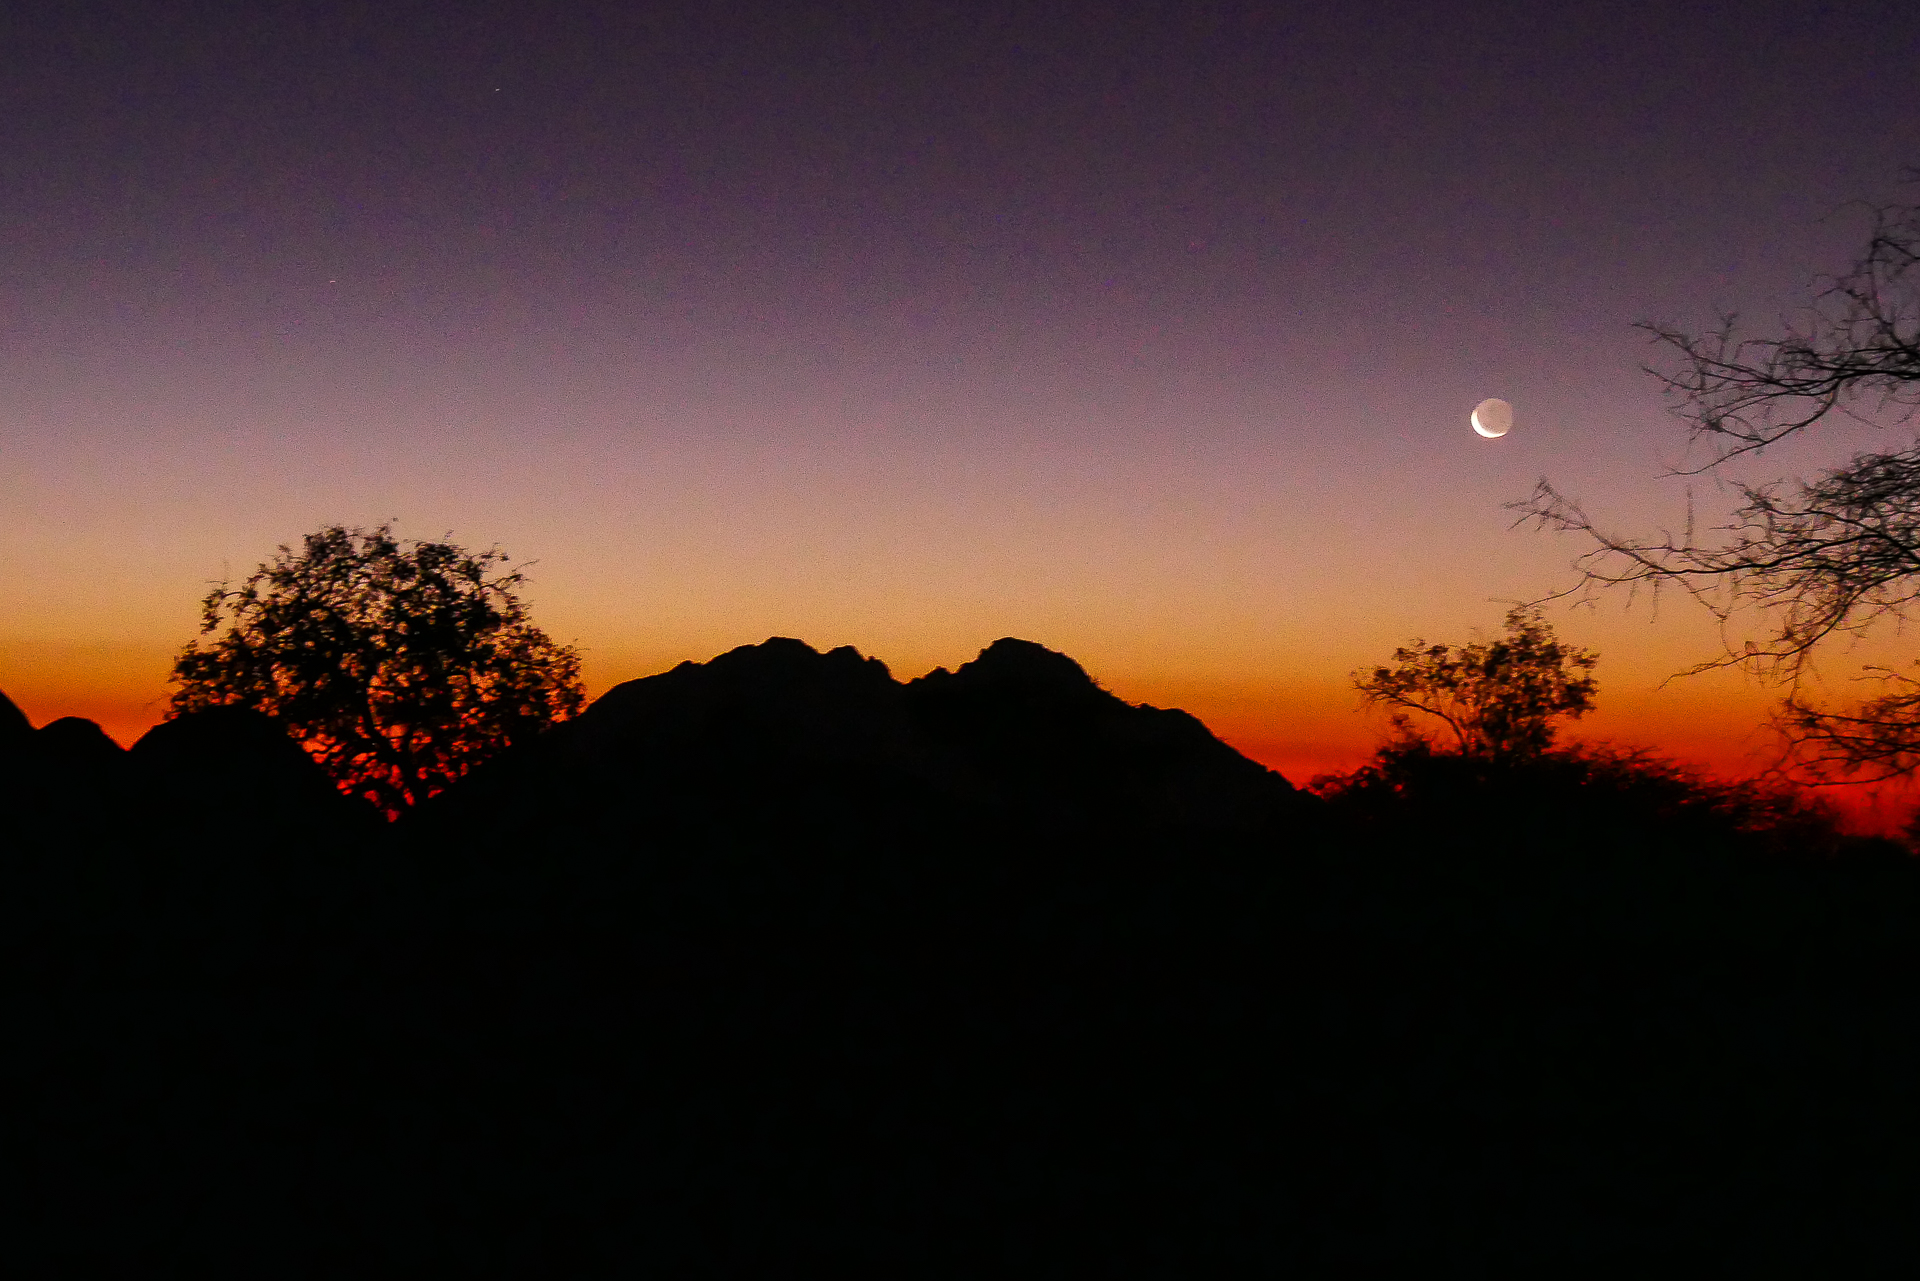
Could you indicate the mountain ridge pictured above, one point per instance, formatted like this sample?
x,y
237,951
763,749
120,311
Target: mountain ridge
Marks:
x,y
1019,735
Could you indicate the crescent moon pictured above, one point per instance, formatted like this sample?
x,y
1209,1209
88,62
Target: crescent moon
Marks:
x,y
1492,418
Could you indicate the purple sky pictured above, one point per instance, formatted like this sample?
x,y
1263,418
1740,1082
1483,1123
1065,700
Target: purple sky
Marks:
x,y
1150,337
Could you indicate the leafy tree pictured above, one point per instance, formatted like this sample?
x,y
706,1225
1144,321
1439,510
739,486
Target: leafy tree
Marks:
x,y
1500,698
1822,558
399,668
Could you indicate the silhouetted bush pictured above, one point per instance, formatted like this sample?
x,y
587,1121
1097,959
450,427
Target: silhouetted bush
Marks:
x,y
1581,791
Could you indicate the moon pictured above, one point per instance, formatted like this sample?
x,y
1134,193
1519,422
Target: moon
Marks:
x,y
1492,418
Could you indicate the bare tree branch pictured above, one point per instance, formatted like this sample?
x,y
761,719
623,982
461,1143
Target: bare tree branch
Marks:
x,y
1820,559
1859,346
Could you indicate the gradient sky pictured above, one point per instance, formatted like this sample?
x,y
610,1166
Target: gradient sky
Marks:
x,y
1146,332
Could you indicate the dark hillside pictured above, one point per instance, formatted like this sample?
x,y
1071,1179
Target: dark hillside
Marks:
x,y
765,741
1613,844
775,963
69,805
213,821
14,727
1037,740
776,765
232,768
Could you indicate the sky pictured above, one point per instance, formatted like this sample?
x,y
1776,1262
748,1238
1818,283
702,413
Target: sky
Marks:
x,y
1147,332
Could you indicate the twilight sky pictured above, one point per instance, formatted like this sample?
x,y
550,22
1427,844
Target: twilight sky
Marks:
x,y
1148,332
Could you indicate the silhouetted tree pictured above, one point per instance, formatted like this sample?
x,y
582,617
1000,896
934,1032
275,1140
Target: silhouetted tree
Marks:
x,y
1500,698
399,668
1834,555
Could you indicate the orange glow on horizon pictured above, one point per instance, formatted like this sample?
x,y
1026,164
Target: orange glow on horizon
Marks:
x,y
1304,728
1304,723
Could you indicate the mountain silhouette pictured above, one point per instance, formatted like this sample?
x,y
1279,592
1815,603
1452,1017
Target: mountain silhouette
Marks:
x,y
770,746
1048,743
787,784
777,958
213,820
779,741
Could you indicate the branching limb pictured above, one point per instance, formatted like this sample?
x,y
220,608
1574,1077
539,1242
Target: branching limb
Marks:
x,y
1836,555
1859,346
1877,741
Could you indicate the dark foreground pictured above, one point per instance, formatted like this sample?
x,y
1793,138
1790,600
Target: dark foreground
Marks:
x,y
885,986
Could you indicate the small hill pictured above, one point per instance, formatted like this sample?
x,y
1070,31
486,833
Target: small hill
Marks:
x,y
77,742
68,775
215,820
234,769
68,816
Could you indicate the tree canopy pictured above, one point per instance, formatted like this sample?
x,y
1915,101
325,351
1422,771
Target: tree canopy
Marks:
x,y
1499,698
399,667
1819,558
